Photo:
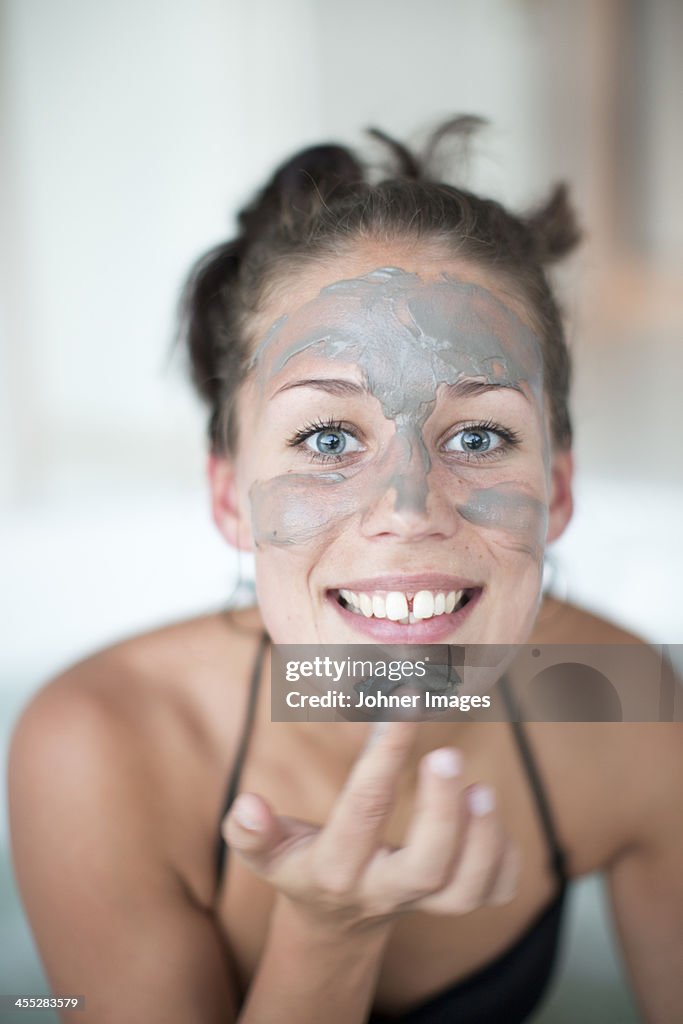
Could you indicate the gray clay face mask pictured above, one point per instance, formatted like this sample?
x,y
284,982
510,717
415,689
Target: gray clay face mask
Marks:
x,y
408,336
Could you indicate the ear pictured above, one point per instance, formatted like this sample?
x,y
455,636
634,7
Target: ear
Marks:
x,y
561,499
228,516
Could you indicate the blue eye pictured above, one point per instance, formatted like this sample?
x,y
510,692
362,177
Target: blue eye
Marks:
x,y
474,441
326,441
331,441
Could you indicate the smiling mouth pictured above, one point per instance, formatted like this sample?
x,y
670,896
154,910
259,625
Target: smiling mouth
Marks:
x,y
404,608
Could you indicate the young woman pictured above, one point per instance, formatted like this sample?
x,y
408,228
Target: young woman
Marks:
x,y
388,381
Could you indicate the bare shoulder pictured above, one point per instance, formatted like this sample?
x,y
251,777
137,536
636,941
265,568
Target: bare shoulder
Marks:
x,y
157,716
618,784
178,669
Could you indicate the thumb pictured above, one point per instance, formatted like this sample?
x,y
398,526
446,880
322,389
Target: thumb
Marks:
x,y
258,836
250,827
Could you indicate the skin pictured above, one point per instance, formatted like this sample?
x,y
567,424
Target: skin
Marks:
x,y
402,490
113,830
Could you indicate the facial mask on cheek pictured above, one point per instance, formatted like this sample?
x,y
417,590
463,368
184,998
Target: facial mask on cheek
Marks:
x,y
407,336
522,518
298,508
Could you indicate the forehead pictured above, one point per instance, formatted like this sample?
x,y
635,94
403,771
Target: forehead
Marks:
x,y
298,285
406,326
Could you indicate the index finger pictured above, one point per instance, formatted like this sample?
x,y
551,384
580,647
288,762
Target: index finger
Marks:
x,y
359,815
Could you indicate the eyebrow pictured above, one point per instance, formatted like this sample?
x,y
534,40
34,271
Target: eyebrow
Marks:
x,y
332,385
340,387
465,388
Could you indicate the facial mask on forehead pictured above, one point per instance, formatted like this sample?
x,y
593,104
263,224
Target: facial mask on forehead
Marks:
x,y
407,336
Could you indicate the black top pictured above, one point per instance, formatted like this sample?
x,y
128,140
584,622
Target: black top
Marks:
x,y
510,986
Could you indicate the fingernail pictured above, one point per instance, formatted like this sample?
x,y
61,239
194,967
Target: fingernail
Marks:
x,y
245,811
481,800
445,762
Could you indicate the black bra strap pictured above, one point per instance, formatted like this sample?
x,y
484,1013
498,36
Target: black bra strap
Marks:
x,y
558,857
234,781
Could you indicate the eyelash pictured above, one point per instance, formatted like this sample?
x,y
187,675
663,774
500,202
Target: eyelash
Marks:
x,y
315,428
510,439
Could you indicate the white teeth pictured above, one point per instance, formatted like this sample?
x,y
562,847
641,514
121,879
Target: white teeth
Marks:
x,y
397,606
350,598
423,604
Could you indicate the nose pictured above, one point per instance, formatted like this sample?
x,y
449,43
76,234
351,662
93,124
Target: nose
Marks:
x,y
402,501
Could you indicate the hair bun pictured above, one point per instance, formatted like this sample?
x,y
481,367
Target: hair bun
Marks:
x,y
301,185
323,168
553,226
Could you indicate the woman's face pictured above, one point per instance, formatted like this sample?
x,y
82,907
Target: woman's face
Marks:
x,y
393,473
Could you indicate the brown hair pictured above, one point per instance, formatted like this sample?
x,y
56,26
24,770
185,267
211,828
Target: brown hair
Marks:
x,y
320,203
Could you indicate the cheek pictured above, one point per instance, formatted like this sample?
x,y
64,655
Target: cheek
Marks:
x,y
518,520
282,599
299,508
496,511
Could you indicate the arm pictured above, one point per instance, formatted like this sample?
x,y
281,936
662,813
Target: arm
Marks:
x,y
111,917
646,881
309,973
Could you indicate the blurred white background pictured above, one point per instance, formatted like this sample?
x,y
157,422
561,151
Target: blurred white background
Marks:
x,y
131,132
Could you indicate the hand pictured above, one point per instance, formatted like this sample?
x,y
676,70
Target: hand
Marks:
x,y
456,856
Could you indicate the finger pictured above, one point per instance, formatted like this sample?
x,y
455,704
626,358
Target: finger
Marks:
x,y
434,839
482,852
359,816
257,835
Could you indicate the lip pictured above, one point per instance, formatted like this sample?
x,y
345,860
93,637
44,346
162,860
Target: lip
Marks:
x,y
426,631
409,584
